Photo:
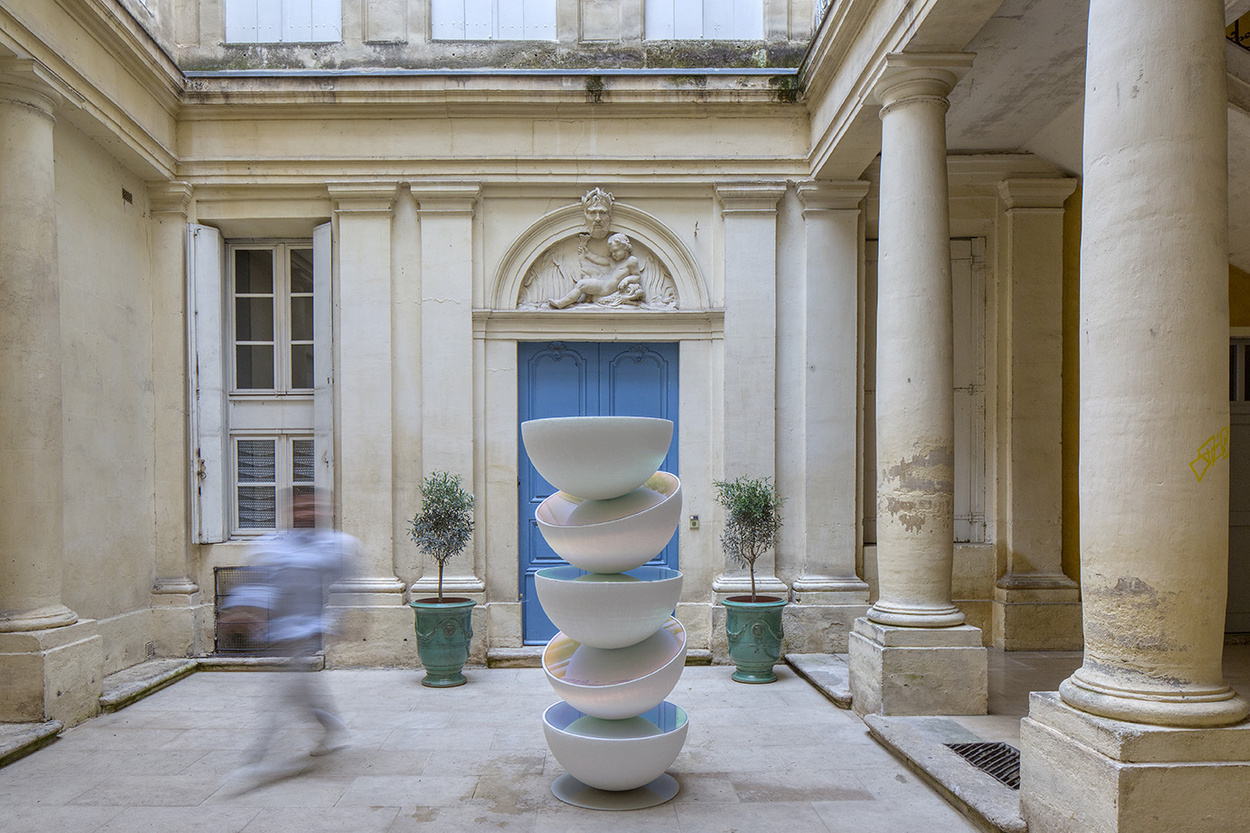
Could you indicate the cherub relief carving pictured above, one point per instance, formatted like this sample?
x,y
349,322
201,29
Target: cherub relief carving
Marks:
x,y
590,269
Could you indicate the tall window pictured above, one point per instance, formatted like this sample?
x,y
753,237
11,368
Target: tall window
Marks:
x,y
283,21
704,19
271,399
493,19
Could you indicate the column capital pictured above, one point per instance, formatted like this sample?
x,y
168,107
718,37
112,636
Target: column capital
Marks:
x,y
28,82
1049,192
845,195
919,76
169,197
750,197
376,196
446,197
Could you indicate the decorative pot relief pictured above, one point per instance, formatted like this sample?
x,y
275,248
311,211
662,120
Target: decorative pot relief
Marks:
x,y
598,268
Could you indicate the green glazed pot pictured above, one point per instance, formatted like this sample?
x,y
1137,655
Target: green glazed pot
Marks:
x,y
754,629
443,633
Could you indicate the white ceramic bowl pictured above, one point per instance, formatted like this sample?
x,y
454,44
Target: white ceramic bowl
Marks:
x,y
597,457
615,754
612,536
612,610
615,683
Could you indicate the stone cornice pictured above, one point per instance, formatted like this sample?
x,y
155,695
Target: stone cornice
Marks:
x,y
832,196
1038,193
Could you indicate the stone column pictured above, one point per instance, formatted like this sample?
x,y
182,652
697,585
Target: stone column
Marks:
x,y
748,402
50,663
376,621
1036,607
1133,740
912,654
448,434
828,594
179,612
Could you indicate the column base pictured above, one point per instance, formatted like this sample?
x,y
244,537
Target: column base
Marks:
x,y
1081,773
736,585
917,671
1037,613
374,625
822,611
181,619
51,674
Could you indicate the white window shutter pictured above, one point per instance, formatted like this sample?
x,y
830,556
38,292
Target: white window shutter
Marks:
x,y
207,374
479,19
327,21
241,18
687,20
657,20
748,20
323,360
297,22
540,20
718,19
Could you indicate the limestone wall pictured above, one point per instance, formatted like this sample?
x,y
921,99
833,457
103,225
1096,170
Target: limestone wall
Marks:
x,y
107,393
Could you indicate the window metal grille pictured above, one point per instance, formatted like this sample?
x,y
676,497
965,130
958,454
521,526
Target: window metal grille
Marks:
x,y
242,622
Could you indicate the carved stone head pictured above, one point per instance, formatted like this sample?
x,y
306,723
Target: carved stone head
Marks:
x,y
597,208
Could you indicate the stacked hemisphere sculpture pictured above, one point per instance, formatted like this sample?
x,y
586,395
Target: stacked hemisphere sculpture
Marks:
x,y
620,650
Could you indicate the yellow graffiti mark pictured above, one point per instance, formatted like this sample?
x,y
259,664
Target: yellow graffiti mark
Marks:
x,y
1215,448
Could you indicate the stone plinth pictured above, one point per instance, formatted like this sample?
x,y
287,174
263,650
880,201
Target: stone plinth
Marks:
x,y
1038,617
52,674
1085,774
898,670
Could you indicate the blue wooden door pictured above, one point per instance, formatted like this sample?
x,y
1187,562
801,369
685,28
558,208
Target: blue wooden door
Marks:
x,y
565,378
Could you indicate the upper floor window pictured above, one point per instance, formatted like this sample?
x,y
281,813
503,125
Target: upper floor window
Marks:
x,y
283,21
493,19
704,19
273,318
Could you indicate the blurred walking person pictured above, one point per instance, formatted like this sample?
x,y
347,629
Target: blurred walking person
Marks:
x,y
295,569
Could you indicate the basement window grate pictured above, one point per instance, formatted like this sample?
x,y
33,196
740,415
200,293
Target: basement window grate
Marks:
x,y
242,621
999,760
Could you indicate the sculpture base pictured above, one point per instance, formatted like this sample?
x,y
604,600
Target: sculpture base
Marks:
x,y
571,791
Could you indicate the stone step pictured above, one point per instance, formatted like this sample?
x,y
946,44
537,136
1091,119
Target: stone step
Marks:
x,y
138,681
920,742
20,739
829,673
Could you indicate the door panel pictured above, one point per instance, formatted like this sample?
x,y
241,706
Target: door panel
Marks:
x,y
583,379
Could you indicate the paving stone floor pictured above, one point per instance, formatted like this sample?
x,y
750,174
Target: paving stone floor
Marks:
x,y
758,758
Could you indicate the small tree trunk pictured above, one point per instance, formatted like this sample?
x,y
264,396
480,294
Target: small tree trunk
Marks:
x,y
440,582
752,581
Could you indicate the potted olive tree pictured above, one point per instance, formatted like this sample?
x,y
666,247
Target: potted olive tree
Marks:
x,y
442,529
753,623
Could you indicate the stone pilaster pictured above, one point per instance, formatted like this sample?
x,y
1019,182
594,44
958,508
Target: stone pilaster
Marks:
x,y
50,663
1135,732
915,415
445,211
1036,607
179,611
748,403
375,619
828,595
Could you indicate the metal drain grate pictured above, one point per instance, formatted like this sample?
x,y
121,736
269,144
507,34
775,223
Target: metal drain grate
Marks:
x,y
1001,760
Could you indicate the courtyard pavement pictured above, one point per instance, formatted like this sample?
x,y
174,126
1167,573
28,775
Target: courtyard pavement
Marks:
x,y
757,758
